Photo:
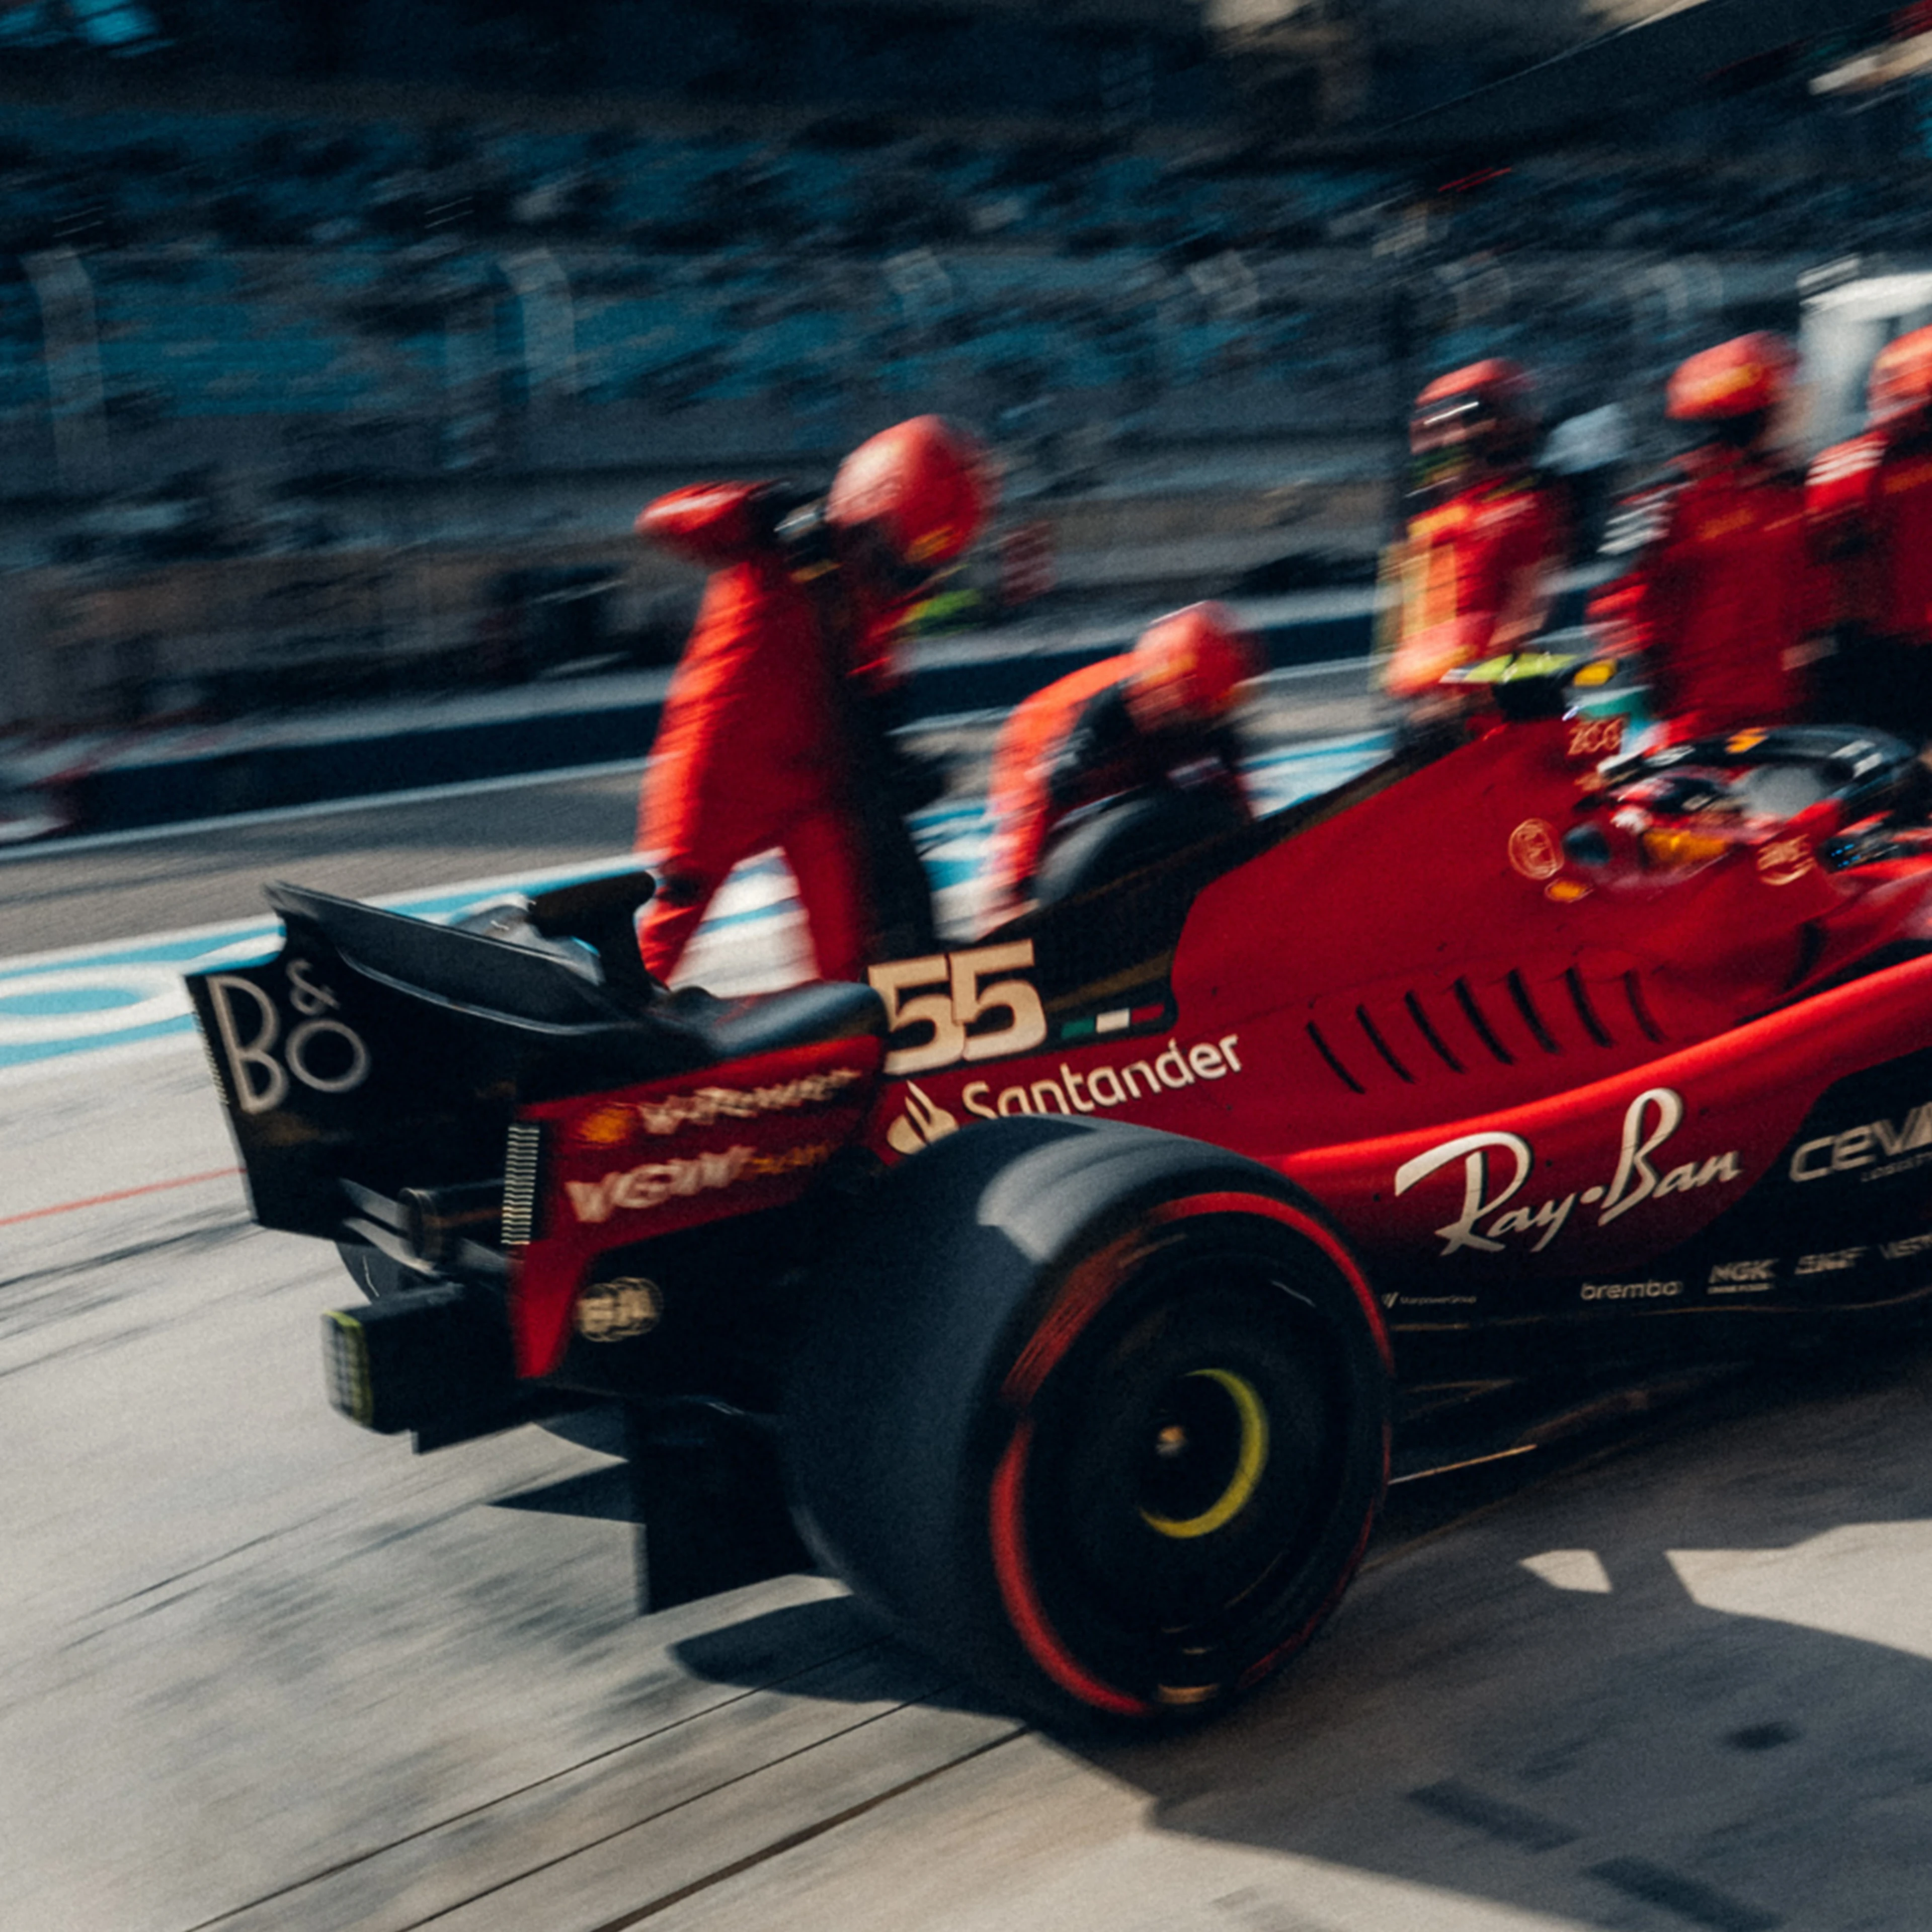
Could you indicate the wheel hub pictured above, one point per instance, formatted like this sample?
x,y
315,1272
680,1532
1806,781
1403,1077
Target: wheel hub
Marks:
x,y
1207,1454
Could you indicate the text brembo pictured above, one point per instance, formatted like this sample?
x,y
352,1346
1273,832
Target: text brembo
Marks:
x,y
1631,1291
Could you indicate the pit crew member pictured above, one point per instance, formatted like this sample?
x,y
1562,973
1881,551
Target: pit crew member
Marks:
x,y
1486,533
1869,504
775,732
1156,719
1720,594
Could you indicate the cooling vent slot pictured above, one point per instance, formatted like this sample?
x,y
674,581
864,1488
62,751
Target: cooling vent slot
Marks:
x,y
1633,992
1531,1019
1381,1046
1335,1066
1580,998
1473,1014
1420,1014
1418,1035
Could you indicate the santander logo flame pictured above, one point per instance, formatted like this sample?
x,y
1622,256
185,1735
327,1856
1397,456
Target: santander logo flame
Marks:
x,y
923,1122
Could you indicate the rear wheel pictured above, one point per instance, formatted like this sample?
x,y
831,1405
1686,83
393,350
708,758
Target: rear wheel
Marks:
x,y
1108,1429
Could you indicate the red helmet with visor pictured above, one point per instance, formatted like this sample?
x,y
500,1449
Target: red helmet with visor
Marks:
x,y
1898,391
1188,668
1749,376
915,495
1477,419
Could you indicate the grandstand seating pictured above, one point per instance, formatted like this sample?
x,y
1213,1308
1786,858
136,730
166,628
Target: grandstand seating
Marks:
x,y
245,265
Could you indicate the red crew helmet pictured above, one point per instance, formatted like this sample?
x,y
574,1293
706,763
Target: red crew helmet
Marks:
x,y
919,492
1188,669
1487,407
1750,375
1901,382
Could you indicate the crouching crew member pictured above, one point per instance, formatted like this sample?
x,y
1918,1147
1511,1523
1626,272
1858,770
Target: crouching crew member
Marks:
x,y
1156,720
1869,502
1720,594
774,732
1487,534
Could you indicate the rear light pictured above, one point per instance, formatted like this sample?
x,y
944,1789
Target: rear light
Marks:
x,y
434,1360
345,1357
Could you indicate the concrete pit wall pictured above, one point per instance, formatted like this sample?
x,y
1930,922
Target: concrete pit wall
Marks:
x,y
92,645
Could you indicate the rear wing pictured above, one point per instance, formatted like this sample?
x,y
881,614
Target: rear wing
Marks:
x,y
389,1051
376,1053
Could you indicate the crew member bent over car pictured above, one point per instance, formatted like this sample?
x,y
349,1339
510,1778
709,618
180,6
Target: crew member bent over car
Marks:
x,y
1487,534
775,733
1721,595
1869,503
1155,720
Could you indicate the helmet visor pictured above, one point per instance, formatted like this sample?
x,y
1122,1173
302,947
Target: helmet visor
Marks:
x,y
1449,423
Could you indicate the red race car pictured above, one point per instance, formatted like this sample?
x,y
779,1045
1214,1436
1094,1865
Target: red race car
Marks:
x,y
1060,1292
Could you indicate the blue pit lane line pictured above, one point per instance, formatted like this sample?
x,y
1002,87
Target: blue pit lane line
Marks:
x,y
84,999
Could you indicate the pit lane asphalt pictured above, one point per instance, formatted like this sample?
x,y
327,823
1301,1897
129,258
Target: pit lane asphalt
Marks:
x,y
266,1671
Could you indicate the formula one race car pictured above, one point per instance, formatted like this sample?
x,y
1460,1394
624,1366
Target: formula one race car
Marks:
x,y
1058,1291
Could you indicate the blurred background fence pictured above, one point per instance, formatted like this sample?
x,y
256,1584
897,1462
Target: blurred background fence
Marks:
x,y
338,344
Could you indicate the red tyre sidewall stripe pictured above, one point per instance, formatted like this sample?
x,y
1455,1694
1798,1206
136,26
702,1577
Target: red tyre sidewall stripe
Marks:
x,y
1017,1591
1081,1298
1326,1241
1303,1223
1287,1648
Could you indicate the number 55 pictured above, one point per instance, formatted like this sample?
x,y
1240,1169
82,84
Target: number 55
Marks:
x,y
970,994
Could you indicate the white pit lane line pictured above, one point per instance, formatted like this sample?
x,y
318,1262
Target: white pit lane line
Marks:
x,y
128,995
80,1001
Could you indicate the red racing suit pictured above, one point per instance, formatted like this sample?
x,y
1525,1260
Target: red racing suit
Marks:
x,y
756,747
1721,596
1868,503
1073,744
1473,577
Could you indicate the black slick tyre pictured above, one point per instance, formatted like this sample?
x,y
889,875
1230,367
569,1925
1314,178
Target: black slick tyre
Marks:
x,y
1099,1415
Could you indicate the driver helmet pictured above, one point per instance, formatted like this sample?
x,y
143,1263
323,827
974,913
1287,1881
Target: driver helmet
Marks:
x,y
1481,417
1732,390
1187,670
1898,391
912,499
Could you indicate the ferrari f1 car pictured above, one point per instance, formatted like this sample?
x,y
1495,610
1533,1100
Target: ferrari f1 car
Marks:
x,y
1060,1292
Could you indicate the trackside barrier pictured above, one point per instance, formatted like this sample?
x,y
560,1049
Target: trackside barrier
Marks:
x,y
115,797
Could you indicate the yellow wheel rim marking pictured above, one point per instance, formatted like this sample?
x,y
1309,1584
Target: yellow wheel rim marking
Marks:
x,y
1248,1464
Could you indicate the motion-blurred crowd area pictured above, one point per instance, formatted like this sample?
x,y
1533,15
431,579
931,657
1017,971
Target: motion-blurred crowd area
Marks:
x,y
434,301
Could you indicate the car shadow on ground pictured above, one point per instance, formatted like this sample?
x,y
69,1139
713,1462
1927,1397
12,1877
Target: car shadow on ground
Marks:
x,y
778,1649
1686,1683
790,1647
